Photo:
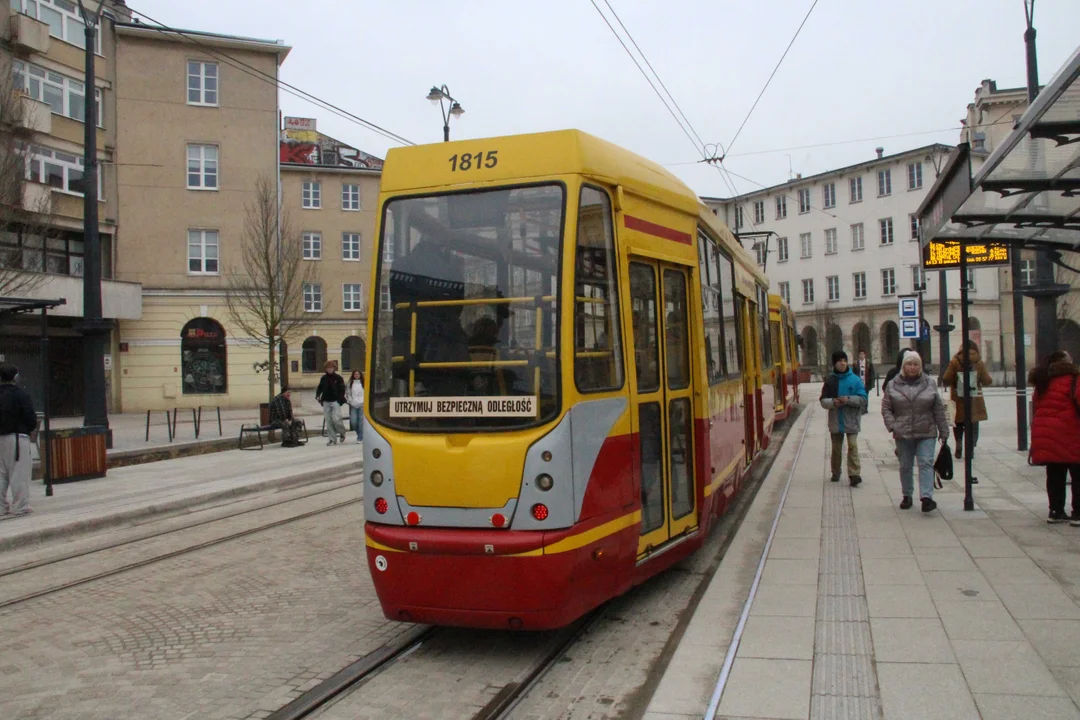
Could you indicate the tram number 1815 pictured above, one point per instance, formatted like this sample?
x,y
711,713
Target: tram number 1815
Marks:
x,y
475,161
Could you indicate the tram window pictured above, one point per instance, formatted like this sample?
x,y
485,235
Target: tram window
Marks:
x,y
597,338
710,311
646,342
763,322
650,438
725,271
680,424
775,338
675,330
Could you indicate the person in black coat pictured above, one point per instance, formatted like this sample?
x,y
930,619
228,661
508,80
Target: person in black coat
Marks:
x,y
17,421
331,394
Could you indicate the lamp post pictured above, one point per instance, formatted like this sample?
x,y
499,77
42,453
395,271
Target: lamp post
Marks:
x,y
440,96
93,328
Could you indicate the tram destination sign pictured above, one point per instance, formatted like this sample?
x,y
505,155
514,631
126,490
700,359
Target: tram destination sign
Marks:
x,y
939,255
469,406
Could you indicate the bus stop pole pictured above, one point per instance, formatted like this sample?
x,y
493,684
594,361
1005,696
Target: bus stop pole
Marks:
x,y
965,365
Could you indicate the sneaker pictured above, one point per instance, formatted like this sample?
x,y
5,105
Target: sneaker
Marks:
x,y
928,504
835,478
855,480
1074,520
332,442
342,437
905,504
27,511
1056,516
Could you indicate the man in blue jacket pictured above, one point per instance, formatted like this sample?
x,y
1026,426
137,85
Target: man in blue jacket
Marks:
x,y
844,396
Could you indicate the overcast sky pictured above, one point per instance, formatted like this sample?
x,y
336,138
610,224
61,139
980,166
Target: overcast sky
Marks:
x,y
859,69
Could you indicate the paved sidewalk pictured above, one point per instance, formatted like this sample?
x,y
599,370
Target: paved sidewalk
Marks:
x,y
868,611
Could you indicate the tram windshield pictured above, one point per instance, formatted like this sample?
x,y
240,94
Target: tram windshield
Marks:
x,y
466,334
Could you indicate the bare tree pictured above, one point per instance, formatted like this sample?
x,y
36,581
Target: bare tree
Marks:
x,y
23,213
265,293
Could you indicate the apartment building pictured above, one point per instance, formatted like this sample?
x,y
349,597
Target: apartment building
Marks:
x,y
988,122
198,130
330,192
842,245
42,133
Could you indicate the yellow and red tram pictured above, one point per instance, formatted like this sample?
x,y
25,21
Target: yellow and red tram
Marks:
x,y
570,374
785,356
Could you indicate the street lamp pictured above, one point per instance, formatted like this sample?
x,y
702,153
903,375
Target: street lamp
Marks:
x,y
440,96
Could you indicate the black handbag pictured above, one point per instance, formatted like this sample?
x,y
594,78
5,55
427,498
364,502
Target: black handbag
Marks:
x,y
943,466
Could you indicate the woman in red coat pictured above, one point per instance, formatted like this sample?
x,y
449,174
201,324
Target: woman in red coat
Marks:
x,y
1055,431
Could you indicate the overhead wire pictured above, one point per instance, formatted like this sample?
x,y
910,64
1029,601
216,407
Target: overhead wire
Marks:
x,y
271,79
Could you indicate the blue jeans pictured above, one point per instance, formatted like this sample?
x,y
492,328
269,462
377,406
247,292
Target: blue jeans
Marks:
x,y
356,421
922,450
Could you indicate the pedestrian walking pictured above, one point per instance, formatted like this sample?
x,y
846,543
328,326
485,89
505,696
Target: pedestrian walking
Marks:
x,y
1055,431
281,416
864,368
914,414
354,395
895,370
17,421
844,396
331,394
954,380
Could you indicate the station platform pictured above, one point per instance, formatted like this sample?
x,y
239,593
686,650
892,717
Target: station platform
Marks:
x,y
831,602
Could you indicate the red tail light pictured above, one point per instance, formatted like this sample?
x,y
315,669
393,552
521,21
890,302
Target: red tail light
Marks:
x,y
540,511
381,506
498,520
413,518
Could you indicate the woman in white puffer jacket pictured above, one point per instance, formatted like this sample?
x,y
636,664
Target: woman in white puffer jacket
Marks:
x,y
354,395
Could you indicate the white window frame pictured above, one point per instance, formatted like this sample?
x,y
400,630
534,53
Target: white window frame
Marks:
x,y
759,211
1027,272
832,286
781,207
738,217
971,279
208,167
859,281
68,19
311,195
858,237
201,239
313,300
202,66
785,291
760,252
350,197
781,249
311,245
831,244
34,79
808,291
914,171
384,298
804,201
888,282
67,163
352,297
918,277
351,244
855,190
885,227
914,221
884,182
828,195
806,245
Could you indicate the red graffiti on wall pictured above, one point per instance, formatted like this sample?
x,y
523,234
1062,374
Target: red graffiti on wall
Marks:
x,y
303,153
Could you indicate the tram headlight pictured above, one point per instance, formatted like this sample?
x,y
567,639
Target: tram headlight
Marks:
x,y
545,482
376,478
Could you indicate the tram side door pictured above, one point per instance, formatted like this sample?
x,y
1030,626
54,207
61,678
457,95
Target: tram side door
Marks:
x,y
751,374
663,415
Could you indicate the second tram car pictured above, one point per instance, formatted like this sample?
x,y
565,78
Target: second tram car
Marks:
x,y
785,355
570,373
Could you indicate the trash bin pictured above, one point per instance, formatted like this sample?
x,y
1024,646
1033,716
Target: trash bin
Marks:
x,y
264,413
77,453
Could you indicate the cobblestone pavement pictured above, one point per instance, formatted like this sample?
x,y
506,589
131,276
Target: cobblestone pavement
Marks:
x,y
233,631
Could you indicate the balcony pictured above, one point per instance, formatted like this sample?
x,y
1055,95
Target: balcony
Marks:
x,y
119,300
30,115
28,34
37,198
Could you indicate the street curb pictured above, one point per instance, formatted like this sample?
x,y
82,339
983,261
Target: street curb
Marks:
x,y
90,525
127,458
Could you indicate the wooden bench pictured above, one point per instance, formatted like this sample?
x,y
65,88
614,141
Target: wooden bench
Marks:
x,y
258,430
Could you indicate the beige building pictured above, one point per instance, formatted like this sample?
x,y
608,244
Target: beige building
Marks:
x,y
990,119
196,133
43,104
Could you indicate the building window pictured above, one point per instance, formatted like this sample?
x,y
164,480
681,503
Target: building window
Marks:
x,y
1027,272
203,252
759,211
202,171
202,83
805,244
312,195
61,253
781,249
781,207
888,281
804,201
971,278
884,182
856,189
384,298
313,355
914,220
785,292
828,195
760,253
312,297
63,18
350,197
918,278
352,297
388,250
833,284
860,285
885,224
350,246
65,96
59,170
830,241
808,292
914,175
738,218
858,237
312,246
202,357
